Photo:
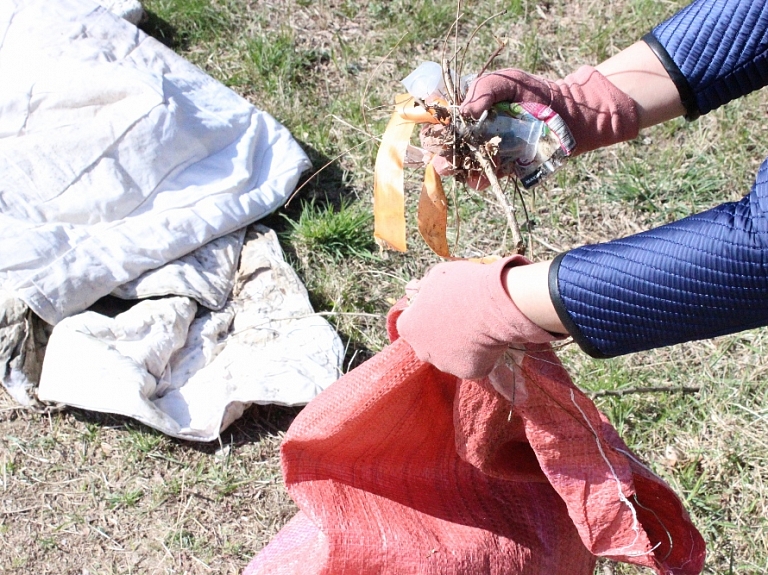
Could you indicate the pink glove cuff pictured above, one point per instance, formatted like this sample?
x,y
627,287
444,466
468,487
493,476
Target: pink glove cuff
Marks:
x,y
509,323
594,101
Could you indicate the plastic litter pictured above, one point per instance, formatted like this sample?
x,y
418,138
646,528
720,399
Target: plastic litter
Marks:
x,y
533,141
426,82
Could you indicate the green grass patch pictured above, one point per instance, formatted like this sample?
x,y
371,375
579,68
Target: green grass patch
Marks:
x,y
183,23
278,65
686,185
346,231
421,20
127,498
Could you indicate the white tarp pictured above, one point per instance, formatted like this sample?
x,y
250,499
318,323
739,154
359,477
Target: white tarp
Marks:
x,y
190,374
125,169
118,156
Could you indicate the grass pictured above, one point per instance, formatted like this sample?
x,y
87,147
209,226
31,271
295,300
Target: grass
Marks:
x,y
183,24
84,491
338,233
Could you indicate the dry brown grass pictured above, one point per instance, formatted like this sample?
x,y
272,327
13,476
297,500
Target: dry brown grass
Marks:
x,y
91,493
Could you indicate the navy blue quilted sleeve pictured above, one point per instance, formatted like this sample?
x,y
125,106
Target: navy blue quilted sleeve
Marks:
x,y
699,277
714,51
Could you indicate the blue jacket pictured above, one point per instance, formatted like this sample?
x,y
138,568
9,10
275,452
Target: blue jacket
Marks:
x,y
707,274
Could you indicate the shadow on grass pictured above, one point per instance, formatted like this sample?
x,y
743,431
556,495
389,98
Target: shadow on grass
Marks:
x,y
162,31
325,185
257,423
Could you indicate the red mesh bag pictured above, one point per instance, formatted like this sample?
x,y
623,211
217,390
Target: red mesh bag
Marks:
x,y
398,468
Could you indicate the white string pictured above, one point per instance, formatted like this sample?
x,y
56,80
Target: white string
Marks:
x,y
667,531
517,356
622,497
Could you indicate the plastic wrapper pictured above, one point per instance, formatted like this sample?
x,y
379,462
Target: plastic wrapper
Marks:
x,y
533,141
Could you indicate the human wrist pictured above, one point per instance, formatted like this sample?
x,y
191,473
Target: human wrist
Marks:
x,y
637,72
527,287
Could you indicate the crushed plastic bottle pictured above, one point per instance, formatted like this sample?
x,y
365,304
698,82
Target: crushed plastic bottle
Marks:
x,y
534,141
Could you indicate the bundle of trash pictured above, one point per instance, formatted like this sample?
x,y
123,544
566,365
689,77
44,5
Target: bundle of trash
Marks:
x,y
525,140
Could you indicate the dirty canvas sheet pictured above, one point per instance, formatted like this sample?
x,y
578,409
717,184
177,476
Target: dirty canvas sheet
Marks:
x,y
126,170
189,371
399,468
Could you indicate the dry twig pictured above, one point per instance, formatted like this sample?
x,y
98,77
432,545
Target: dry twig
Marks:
x,y
481,157
635,390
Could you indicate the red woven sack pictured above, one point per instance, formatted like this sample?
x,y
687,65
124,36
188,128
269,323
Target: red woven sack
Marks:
x,y
400,469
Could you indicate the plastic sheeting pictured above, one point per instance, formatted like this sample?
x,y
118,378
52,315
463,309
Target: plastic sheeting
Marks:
x,y
399,468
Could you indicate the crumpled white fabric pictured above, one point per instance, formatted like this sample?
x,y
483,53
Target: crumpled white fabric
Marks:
x,y
190,372
130,10
207,274
23,338
118,156
126,170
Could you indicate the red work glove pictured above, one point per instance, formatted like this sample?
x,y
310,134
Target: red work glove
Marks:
x,y
597,112
461,320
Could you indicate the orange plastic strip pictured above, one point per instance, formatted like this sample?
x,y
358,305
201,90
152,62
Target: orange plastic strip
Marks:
x,y
410,110
433,213
388,195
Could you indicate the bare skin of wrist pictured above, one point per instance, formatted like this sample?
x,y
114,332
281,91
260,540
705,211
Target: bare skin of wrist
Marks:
x,y
529,288
637,72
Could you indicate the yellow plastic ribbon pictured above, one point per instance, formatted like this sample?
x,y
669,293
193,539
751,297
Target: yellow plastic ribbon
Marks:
x,y
388,184
433,213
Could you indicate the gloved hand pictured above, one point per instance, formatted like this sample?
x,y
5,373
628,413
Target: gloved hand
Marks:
x,y
461,319
597,112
